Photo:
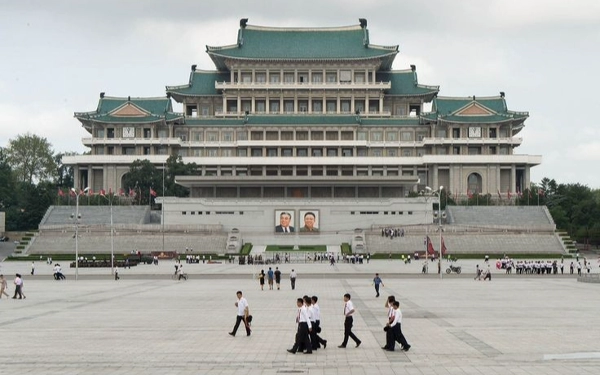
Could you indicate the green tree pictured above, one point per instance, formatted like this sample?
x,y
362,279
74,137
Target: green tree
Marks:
x,y
176,167
31,158
7,183
142,176
65,175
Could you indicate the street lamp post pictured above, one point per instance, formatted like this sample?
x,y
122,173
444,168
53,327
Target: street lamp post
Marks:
x,y
438,193
76,218
112,238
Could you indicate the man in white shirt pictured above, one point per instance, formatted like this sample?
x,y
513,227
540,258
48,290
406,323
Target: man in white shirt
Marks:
x,y
316,314
293,276
304,328
18,285
242,314
396,328
348,321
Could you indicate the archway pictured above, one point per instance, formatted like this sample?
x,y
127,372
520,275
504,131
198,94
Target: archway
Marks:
x,y
474,183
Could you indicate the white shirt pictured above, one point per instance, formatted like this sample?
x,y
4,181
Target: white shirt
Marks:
x,y
242,304
303,316
397,317
311,313
293,275
348,307
316,312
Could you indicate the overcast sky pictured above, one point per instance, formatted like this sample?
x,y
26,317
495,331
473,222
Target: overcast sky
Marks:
x,y
57,56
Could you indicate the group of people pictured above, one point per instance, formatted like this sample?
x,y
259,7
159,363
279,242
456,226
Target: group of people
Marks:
x,y
392,232
272,276
18,287
308,324
58,275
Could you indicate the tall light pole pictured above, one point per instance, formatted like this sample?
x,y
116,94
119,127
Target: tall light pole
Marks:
x,y
440,229
162,209
76,218
112,239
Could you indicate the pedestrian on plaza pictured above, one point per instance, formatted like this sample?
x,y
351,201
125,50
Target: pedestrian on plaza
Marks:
x,y
303,330
376,282
117,273
32,268
487,275
348,321
278,278
18,285
261,279
396,328
317,326
3,287
243,314
270,275
314,344
477,273
389,334
293,276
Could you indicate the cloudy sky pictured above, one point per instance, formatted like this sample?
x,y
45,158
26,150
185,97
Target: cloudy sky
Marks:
x,y
57,56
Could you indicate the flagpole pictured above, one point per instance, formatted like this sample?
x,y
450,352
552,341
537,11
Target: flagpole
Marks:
x,y
162,209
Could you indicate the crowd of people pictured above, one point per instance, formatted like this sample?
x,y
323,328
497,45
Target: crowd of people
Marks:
x,y
392,233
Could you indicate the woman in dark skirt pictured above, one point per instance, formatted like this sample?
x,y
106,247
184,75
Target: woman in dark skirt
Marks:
x,y
261,279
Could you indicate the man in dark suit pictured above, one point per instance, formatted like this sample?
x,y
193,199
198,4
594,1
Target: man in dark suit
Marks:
x,y
285,219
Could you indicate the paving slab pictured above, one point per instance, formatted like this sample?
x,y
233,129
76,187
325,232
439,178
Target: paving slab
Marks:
x,y
147,323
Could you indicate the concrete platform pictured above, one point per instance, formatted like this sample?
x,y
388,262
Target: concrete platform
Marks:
x,y
147,323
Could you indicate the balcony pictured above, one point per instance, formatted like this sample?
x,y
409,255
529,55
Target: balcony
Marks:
x,y
435,141
303,85
132,141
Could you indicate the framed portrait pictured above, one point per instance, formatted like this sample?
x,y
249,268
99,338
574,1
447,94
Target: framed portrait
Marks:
x,y
309,221
284,221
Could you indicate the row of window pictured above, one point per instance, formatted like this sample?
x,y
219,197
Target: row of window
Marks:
x,y
208,212
185,213
314,76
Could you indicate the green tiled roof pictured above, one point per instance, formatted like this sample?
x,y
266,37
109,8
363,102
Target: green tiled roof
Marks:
x,y
350,120
449,108
154,109
404,83
271,43
201,83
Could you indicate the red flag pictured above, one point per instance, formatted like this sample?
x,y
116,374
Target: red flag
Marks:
x,y
443,247
430,249
81,192
519,193
508,194
152,192
103,192
131,192
109,191
61,193
121,192
469,194
541,192
90,193
72,193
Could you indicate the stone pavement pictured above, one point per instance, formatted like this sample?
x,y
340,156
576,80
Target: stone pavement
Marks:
x,y
147,323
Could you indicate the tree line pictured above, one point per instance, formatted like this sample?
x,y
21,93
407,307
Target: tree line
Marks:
x,y
32,178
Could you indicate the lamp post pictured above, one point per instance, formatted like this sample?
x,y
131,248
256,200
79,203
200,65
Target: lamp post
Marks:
x,y
438,193
112,239
76,218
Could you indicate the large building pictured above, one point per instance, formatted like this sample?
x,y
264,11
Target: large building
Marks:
x,y
303,119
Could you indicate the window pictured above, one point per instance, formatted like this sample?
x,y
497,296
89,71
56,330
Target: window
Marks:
x,y
474,150
261,77
226,152
146,151
317,77
317,152
317,106
376,136
260,106
316,135
455,133
392,152
256,152
191,110
288,78
345,106
492,133
377,152
212,152
110,133
99,150
303,106
359,77
346,152
332,152
274,106
287,136
391,136
331,77
302,77
301,135
301,152
274,77
147,133
456,150
272,152
347,136
361,151
286,152
100,133
272,136
212,137
331,135
246,77
406,136
361,136
257,136
241,135
441,151
331,106
242,152
205,111
441,133
406,153
493,150
227,136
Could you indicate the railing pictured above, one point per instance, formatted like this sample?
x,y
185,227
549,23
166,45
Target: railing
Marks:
x,y
303,85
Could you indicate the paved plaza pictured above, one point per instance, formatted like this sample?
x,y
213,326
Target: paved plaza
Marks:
x,y
147,323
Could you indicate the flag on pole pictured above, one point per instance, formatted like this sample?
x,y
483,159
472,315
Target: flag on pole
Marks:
x,y
90,193
72,193
81,192
508,194
103,192
152,192
430,249
469,194
61,193
443,247
131,192
121,192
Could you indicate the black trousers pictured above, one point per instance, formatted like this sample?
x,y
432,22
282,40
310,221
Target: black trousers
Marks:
x,y
348,331
18,292
302,338
377,289
238,320
315,339
293,281
398,336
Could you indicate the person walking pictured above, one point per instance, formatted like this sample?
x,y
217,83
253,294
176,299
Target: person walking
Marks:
x,y
243,314
293,276
377,281
304,328
117,273
3,287
261,279
316,313
18,284
389,334
278,278
32,268
270,275
348,321
396,328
